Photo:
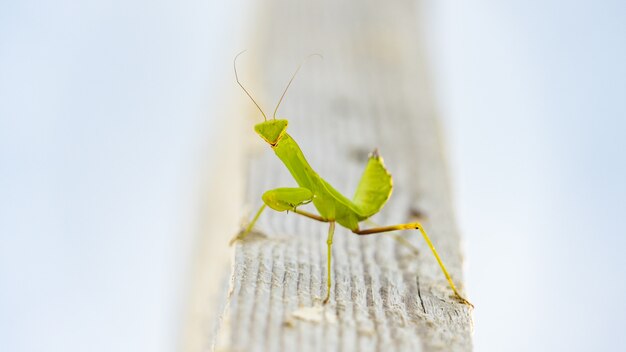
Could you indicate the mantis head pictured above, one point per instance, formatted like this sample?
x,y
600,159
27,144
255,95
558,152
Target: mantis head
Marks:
x,y
272,130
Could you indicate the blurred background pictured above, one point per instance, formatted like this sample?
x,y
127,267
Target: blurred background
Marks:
x,y
109,113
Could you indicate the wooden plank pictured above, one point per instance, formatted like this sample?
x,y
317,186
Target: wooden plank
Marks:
x,y
370,91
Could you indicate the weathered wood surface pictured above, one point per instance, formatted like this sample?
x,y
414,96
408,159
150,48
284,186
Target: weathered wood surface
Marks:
x,y
369,91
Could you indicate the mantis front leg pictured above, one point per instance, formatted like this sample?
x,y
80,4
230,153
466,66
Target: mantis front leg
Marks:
x,y
281,199
417,226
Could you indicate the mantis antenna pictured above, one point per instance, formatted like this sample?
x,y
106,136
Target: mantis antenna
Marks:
x,y
291,80
245,90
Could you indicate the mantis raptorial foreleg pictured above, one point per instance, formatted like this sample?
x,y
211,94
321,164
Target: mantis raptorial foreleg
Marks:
x,y
416,226
279,199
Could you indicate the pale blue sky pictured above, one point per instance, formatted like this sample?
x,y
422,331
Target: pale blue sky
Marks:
x,y
107,109
534,98
106,113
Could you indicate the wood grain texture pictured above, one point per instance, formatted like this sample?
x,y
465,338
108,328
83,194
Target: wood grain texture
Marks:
x,y
370,91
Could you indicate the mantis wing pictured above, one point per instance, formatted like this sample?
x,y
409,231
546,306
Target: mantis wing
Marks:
x,y
374,188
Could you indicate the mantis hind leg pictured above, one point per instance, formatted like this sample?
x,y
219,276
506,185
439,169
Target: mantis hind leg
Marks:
x,y
417,226
401,240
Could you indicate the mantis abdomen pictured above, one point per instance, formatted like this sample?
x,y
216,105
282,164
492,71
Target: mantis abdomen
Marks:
x,y
372,193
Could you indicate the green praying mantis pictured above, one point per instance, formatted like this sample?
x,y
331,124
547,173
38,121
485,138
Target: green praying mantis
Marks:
x,y
373,190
